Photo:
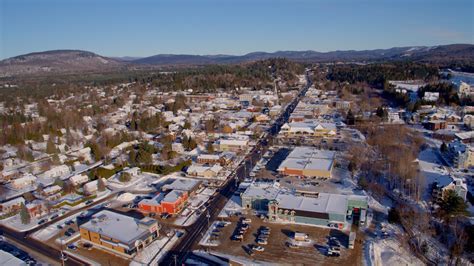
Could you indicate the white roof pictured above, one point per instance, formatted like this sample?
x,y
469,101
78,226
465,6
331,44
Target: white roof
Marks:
x,y
14,201
182,184
262,190
233,142
53,188
124,228
209,156
79,179
324,203
10,260
308,158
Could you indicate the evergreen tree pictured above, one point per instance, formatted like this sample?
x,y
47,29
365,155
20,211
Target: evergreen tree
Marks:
x,y
443,147
350,119
50,147
24,215
210,147
452,204
101,184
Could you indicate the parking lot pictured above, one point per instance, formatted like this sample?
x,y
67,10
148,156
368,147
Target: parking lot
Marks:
x,y
277,247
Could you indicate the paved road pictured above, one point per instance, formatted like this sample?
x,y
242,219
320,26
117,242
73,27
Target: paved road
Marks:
x,y
194,232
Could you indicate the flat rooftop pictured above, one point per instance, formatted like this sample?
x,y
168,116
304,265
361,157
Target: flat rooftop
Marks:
x,y
182,184
324,203
121,227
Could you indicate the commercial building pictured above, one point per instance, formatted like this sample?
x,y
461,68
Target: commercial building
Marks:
x,y
323,209
309,129
204,171
119,233
171,202
308,162
183,184
234,145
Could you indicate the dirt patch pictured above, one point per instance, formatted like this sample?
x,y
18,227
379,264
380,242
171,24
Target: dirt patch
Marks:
x,y
277,250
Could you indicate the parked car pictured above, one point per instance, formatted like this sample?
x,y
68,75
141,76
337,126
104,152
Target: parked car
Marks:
x,y
59,226
262,241
236,238
87,246
67,233
246,220
69,222
258,248
332,253
72,247
89,202
42,221
292,245
54,217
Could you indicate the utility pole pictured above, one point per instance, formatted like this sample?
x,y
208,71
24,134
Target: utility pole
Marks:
x,y
63,257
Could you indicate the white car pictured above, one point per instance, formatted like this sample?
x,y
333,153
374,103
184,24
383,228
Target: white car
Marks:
x,y
258,248
262,241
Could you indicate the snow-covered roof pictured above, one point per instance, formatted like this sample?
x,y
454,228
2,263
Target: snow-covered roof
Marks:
x,y
182,184
124,228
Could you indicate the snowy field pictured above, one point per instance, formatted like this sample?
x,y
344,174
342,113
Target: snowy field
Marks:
x,y
431,167
389,252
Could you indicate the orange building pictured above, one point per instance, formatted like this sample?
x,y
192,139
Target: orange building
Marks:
x,y
172,202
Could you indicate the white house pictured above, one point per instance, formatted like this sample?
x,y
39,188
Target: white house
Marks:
x,y
12,205
57,171
78,179
23,181
92,187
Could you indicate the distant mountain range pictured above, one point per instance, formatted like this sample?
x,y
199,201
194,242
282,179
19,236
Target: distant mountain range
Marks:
x,y
73,61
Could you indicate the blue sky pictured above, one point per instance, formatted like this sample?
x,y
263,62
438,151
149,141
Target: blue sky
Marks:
x,y
145,27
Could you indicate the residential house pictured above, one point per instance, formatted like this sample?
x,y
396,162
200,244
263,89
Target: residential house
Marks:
x,y
77,180
24,181
12,205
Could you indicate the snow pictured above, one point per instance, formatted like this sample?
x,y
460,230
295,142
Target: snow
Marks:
x,y
390,252
233,205
205,241
153,253
432,169
126,197
52,230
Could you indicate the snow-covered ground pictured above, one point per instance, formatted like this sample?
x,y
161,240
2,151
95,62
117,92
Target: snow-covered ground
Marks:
x,y
233,205
205,240
140,182
390,252
153,253
433,170
380,251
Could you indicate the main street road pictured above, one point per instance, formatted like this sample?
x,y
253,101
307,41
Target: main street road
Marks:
x,y
180,252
